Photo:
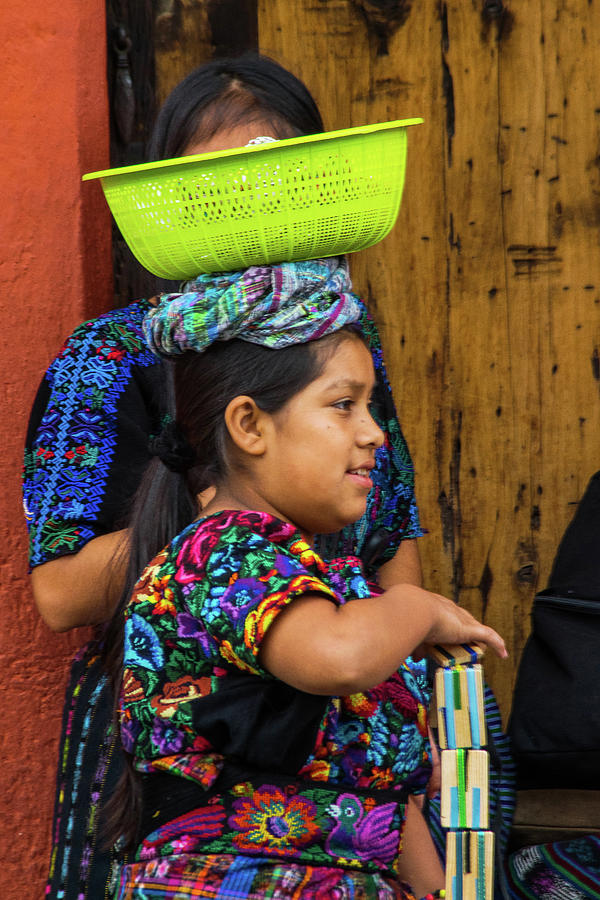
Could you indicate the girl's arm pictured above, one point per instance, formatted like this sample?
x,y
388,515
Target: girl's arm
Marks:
x,y
322,648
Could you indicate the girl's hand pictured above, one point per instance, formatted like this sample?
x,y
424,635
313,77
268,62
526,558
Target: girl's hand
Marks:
x,y
454,625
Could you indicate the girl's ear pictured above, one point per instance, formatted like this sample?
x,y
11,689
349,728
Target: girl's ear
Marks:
x,y
245,421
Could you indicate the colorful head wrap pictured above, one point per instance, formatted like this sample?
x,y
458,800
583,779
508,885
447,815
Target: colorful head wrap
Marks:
x,y
275,306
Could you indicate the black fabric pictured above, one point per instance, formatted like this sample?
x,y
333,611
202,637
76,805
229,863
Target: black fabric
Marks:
x,y
90,764
555,719
576,569
257,722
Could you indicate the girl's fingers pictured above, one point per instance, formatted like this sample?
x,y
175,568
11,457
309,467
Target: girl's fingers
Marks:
x,y
458,626
492,639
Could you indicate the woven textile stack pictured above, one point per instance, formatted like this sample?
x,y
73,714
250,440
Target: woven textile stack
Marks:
x,y
465,773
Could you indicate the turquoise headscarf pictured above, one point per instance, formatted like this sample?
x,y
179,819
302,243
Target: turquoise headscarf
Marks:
x,y
275,306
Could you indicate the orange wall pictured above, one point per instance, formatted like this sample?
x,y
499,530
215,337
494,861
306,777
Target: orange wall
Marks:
x,y
54,272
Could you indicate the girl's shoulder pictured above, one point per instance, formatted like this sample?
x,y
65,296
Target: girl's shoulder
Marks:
x,y
243,529
235,543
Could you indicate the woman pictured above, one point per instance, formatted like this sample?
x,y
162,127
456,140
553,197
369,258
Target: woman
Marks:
x,y
87,446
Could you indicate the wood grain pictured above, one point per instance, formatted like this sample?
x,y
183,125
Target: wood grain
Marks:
x,y
488,289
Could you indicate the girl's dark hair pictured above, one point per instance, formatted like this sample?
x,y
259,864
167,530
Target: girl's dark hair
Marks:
x,y
233,91
166,502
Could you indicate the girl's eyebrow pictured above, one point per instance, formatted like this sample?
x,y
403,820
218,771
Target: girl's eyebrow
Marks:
x,y
346,384
349,384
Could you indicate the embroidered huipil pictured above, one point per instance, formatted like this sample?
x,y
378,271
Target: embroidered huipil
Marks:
x,y
87,440
283,774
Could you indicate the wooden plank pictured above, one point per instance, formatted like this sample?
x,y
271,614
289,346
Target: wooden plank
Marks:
x,y
189,32
479,450
543,57
404,277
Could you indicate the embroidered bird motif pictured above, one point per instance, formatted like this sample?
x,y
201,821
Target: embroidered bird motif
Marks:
x,y
360,835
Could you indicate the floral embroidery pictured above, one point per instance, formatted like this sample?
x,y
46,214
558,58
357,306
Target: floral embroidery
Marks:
x,y
173,693
270,819
142,645
165,737
369,742
214,633
73,451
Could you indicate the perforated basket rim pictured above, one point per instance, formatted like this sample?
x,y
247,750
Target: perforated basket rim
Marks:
x,y
359,130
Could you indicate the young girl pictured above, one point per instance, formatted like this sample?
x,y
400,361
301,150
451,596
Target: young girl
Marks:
x,y
275,732
87,447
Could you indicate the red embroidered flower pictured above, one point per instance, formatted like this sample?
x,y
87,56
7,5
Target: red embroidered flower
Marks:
x,y
360,705
181,691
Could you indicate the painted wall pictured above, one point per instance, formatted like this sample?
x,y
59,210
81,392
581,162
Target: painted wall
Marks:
x,y
54,272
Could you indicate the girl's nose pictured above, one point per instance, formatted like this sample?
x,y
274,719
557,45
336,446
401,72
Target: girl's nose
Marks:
x,y
371,434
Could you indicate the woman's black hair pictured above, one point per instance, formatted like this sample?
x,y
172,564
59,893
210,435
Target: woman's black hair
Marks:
x,y
233,90
166,502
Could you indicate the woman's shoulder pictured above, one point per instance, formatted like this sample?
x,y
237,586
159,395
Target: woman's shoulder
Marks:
x,y
112,334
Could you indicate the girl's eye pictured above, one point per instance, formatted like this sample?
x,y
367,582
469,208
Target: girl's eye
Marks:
x,y
344,404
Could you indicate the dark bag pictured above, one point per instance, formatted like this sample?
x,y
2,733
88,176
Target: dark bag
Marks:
x,y
555,719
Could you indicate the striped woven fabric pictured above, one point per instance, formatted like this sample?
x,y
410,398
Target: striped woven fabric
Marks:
x,y
226,877
274,306
565,870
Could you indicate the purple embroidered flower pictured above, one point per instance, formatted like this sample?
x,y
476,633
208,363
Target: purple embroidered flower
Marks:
x,y
165,737
189,626
130,729
286,566
241,597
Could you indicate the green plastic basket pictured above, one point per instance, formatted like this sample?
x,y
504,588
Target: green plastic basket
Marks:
x,y
302,198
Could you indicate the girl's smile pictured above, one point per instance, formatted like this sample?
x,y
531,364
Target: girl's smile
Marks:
x,y
361,475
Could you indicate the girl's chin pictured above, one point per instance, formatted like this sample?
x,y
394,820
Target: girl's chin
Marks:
x,y
342,522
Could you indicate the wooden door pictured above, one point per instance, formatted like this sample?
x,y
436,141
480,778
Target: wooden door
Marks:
x,y
152,45
487,291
